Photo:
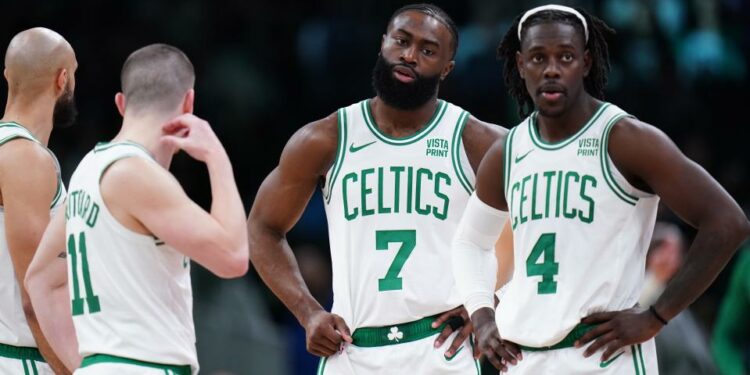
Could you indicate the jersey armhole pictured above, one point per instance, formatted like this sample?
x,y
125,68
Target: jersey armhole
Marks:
x,y
59,189
341,120
615,180
456,147
507,154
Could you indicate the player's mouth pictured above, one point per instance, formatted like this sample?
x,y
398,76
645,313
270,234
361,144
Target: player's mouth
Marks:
x,y
551,92
404,74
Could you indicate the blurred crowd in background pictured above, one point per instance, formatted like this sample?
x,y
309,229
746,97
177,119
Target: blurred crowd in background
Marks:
x,y
265,68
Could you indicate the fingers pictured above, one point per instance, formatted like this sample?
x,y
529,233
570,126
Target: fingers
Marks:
x,y
477,352
514,350
340,327
600,343
444,334
611,349
505,354
322,350
458,340
593,334
494,359
445,316
599,317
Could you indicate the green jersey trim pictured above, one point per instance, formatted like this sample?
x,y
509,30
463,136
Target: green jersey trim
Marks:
x,y
455,152
539,142
640,366
29,136
508,153
340,152
369,337
322,365
606,171
106,358
101,146
567,342
421,133
20,352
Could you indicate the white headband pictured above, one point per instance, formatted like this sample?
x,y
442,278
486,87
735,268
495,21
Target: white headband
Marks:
x,y
560,8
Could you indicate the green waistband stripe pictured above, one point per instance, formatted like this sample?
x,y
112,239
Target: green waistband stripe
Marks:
x,y
396,334
19,352
567,342
105,358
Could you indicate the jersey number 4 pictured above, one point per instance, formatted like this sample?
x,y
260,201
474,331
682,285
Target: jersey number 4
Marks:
x,y
91,299
408,240
544,249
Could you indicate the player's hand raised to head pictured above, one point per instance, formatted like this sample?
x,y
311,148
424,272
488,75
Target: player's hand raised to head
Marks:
x,y
325,332
617,329
499,352
193,135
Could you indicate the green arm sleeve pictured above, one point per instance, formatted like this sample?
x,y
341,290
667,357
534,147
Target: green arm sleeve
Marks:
x,y
731,332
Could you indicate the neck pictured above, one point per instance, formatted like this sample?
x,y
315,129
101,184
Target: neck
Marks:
x,y
400,122
35,114
146,130
564,125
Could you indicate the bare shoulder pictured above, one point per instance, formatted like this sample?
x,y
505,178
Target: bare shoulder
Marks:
x,y
26,154
313,146
130,177
28,166
478,136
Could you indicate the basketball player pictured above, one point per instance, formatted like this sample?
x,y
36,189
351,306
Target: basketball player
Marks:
x,y
129,229
580,180
40,68
395,172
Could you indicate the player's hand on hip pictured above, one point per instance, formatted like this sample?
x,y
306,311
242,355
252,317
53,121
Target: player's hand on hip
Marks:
x,y
618,329
325,334
499,352
193,135
456,320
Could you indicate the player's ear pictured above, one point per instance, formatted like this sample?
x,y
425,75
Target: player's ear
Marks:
x,y
120,103
187,101
447,70
519,64
586,63
5,74
61,81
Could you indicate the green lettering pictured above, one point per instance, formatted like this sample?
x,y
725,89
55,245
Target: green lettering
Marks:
x,y
348,215
381,209
444,214
590,217
366,191
397,177
524,197
574,212
534,215
428,208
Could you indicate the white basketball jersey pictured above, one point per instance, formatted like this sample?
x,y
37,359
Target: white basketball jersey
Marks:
x,y
14,330
131,293
393,205
581,231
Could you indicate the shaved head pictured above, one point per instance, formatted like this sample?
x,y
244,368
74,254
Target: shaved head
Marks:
x,y
34,59
156,77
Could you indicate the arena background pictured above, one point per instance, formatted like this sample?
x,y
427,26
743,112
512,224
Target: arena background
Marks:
x,y
264,69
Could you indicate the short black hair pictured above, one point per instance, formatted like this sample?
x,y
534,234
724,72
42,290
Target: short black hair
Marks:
x,y
596,80
156,77
435,12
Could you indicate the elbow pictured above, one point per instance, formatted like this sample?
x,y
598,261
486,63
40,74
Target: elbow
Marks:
x,y
28,308
236,265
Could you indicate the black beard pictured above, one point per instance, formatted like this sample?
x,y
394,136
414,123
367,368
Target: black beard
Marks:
x,y
65,111
404,96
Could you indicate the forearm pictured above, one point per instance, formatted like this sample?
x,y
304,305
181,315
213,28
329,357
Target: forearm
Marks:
x,y
711,250
52,317
474,262
226,204
275,263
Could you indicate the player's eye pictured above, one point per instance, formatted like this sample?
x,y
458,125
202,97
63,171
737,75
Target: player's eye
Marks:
x,y
428,52
537,59
400,41
567,57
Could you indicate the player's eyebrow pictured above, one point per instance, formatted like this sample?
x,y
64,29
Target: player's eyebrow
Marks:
x,y
424,40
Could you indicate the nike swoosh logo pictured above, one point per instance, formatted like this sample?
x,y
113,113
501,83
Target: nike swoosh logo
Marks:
x,y
353,149
519,158
454,354
604,364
